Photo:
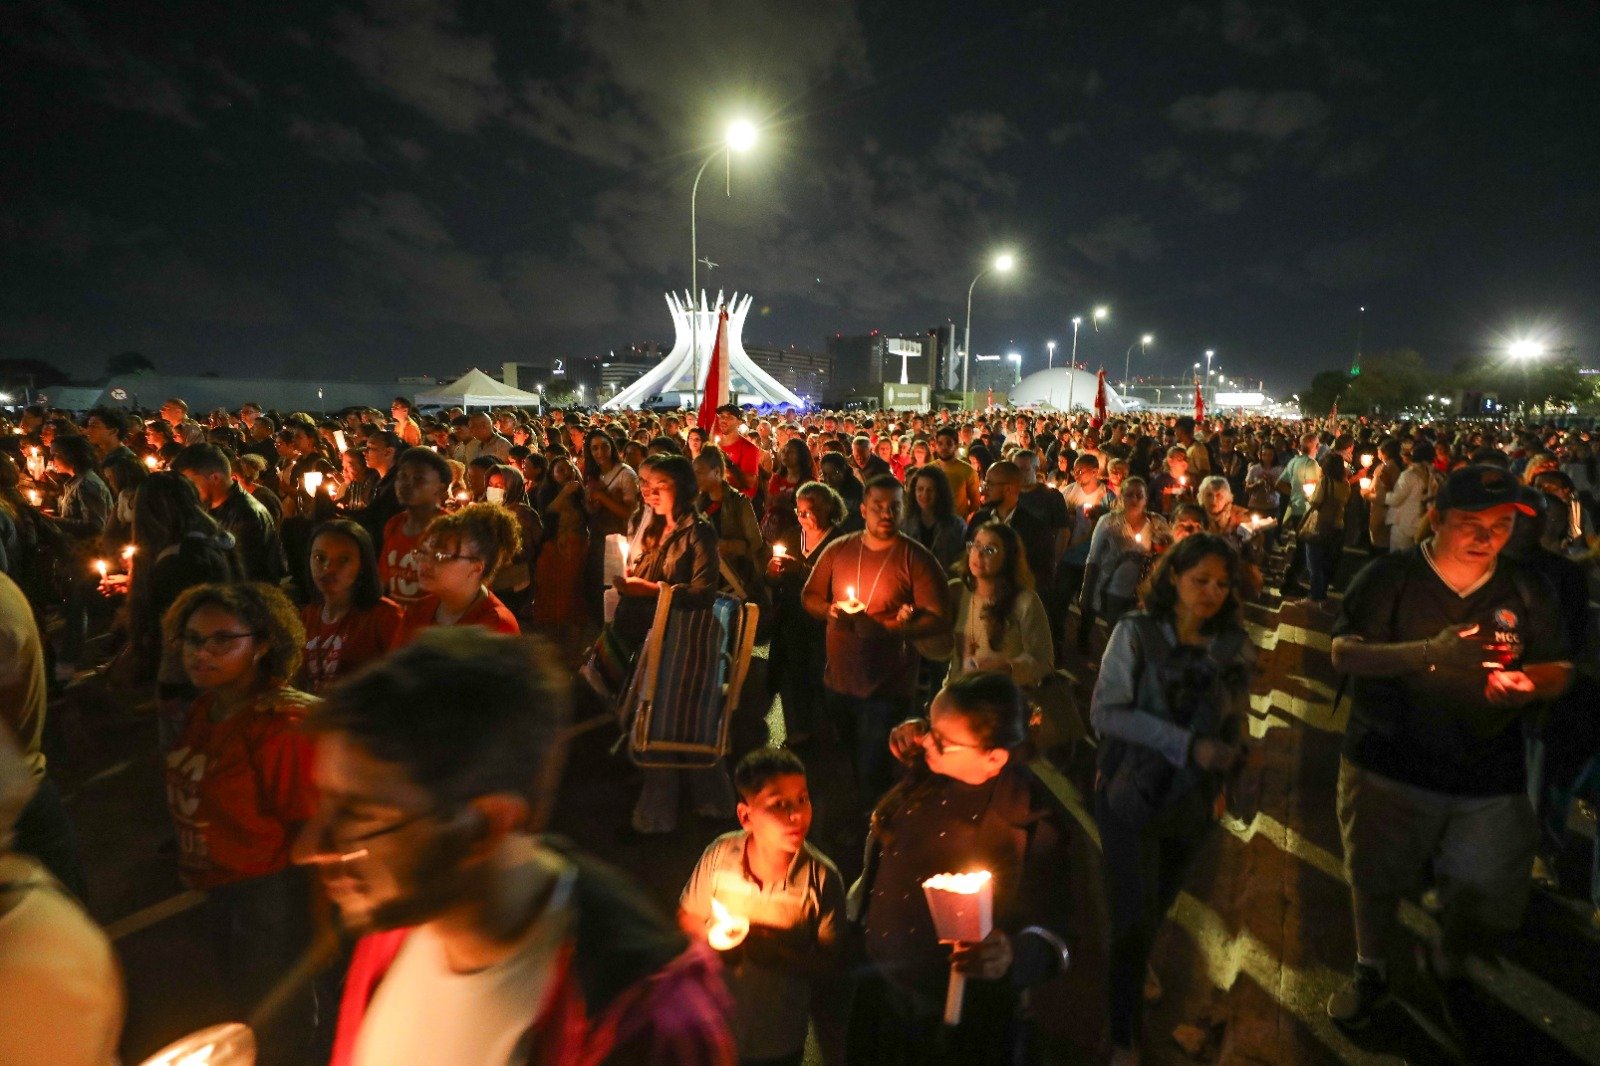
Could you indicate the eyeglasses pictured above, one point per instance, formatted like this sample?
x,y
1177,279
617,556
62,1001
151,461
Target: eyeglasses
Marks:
x,y
445,557
942,745
215,643
988,551
345,847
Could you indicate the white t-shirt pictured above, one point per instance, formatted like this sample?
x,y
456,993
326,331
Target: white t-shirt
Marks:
x,y
425,1014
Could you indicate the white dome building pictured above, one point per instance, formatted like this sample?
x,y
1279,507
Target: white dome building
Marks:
x,y
1065,390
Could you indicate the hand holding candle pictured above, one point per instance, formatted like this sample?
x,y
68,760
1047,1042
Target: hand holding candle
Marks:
x,y
850,605
727,930
962,906
312,480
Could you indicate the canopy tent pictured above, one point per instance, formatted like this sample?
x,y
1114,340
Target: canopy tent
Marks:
x,y
477,389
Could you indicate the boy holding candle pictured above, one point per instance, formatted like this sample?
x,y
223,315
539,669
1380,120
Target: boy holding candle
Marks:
x,y
768,878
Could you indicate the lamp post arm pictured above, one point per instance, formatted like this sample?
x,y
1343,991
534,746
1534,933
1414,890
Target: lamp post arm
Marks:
x,y
694,277
966,353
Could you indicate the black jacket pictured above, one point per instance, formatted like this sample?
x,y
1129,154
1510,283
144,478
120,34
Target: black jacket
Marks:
x,y
254,533
1038,541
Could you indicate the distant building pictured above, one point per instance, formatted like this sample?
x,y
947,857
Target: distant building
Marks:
x,y
862,365
805,373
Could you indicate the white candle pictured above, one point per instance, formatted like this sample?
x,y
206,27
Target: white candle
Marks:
x,y
1366,460
34,497
962,906
312,480
1366,483
779,551
1308,488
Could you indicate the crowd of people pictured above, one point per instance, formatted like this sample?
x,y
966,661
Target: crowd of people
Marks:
x,y
357,635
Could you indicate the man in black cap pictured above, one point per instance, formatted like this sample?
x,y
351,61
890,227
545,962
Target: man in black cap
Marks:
x,y
1450,646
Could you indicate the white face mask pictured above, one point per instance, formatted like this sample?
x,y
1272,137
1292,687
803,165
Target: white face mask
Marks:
x,y
495,494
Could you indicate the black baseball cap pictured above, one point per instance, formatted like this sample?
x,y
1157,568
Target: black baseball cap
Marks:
x,y
1482,486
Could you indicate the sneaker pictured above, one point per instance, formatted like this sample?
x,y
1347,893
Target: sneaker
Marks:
x,y
1352,1006
1544,874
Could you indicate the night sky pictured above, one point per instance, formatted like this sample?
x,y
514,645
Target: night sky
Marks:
x,y
408,186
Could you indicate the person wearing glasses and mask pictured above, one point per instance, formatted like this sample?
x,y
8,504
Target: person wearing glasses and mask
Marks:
x,y
459,554
481,939
239,788
967,804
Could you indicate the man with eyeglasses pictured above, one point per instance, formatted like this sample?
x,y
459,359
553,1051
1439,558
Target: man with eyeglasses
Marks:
x,y
484,940
1002,494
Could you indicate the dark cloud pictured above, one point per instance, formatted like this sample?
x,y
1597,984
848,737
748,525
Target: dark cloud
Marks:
x,y
331,141
1270,115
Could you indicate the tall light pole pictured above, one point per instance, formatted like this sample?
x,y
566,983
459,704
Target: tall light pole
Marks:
x,y
740,137
1002,264
1213,398
1072,370
1144,350
1051,346
1361,319
1077,320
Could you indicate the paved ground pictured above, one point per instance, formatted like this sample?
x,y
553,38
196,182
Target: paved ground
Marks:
x,y
1255,945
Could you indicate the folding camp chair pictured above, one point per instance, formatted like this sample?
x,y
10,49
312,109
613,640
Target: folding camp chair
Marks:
x,y
688,680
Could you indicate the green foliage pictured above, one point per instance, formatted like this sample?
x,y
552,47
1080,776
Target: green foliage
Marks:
x,y
1553,380
1389,381
19,374
1325,388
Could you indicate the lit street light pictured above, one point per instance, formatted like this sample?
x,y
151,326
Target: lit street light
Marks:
x,y
1526,350
1144,350
740,137
1002,264
1209,353
1051,346
1099,313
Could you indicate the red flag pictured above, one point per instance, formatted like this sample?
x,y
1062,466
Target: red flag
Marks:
x,y
1101,403
991,396
716,393
1199,402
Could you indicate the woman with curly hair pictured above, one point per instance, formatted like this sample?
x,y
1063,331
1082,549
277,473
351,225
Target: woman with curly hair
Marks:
x,y
239,788
460,553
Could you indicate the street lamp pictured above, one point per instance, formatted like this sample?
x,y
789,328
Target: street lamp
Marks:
x,y
1209,353
1002,264
1077,320
1525,350
1144,350
1099,313
1051,346
1015,359
740,137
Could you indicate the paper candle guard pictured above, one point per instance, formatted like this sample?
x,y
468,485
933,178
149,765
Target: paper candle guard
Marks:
x,y
962,906
228,1044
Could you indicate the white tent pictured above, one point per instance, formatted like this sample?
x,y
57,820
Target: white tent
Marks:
x,y
477,389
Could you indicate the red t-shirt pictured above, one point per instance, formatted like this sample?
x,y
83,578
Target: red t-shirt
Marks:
x,y
334,649
240,789
742,454
487,612
399,565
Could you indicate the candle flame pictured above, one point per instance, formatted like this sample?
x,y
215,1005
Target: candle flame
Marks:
x,y
129,551
312,479
102,567
968,884
779,550
34,497
151,462
1309,487
850,593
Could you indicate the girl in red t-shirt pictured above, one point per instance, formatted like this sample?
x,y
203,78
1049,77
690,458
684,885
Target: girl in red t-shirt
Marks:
x,y
239,781
459,554
350,622
421,480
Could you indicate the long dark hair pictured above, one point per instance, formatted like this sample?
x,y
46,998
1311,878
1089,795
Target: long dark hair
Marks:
x,y
685,489
1013,578
944,501
807,471
1161,594
591,469
367,590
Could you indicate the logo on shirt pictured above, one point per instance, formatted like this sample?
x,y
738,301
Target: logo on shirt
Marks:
x,y
1504,619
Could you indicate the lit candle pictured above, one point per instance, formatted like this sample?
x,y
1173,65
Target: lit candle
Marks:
x,y
1366,460
102,568
1182,480
463,496
1308,488
850,593
962,907
34,497
1138,538
779,551
1366,483
128,552
151,462
727,930
312,480
850,605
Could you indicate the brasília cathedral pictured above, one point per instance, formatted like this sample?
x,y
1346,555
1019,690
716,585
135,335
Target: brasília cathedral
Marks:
x,y
677,379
